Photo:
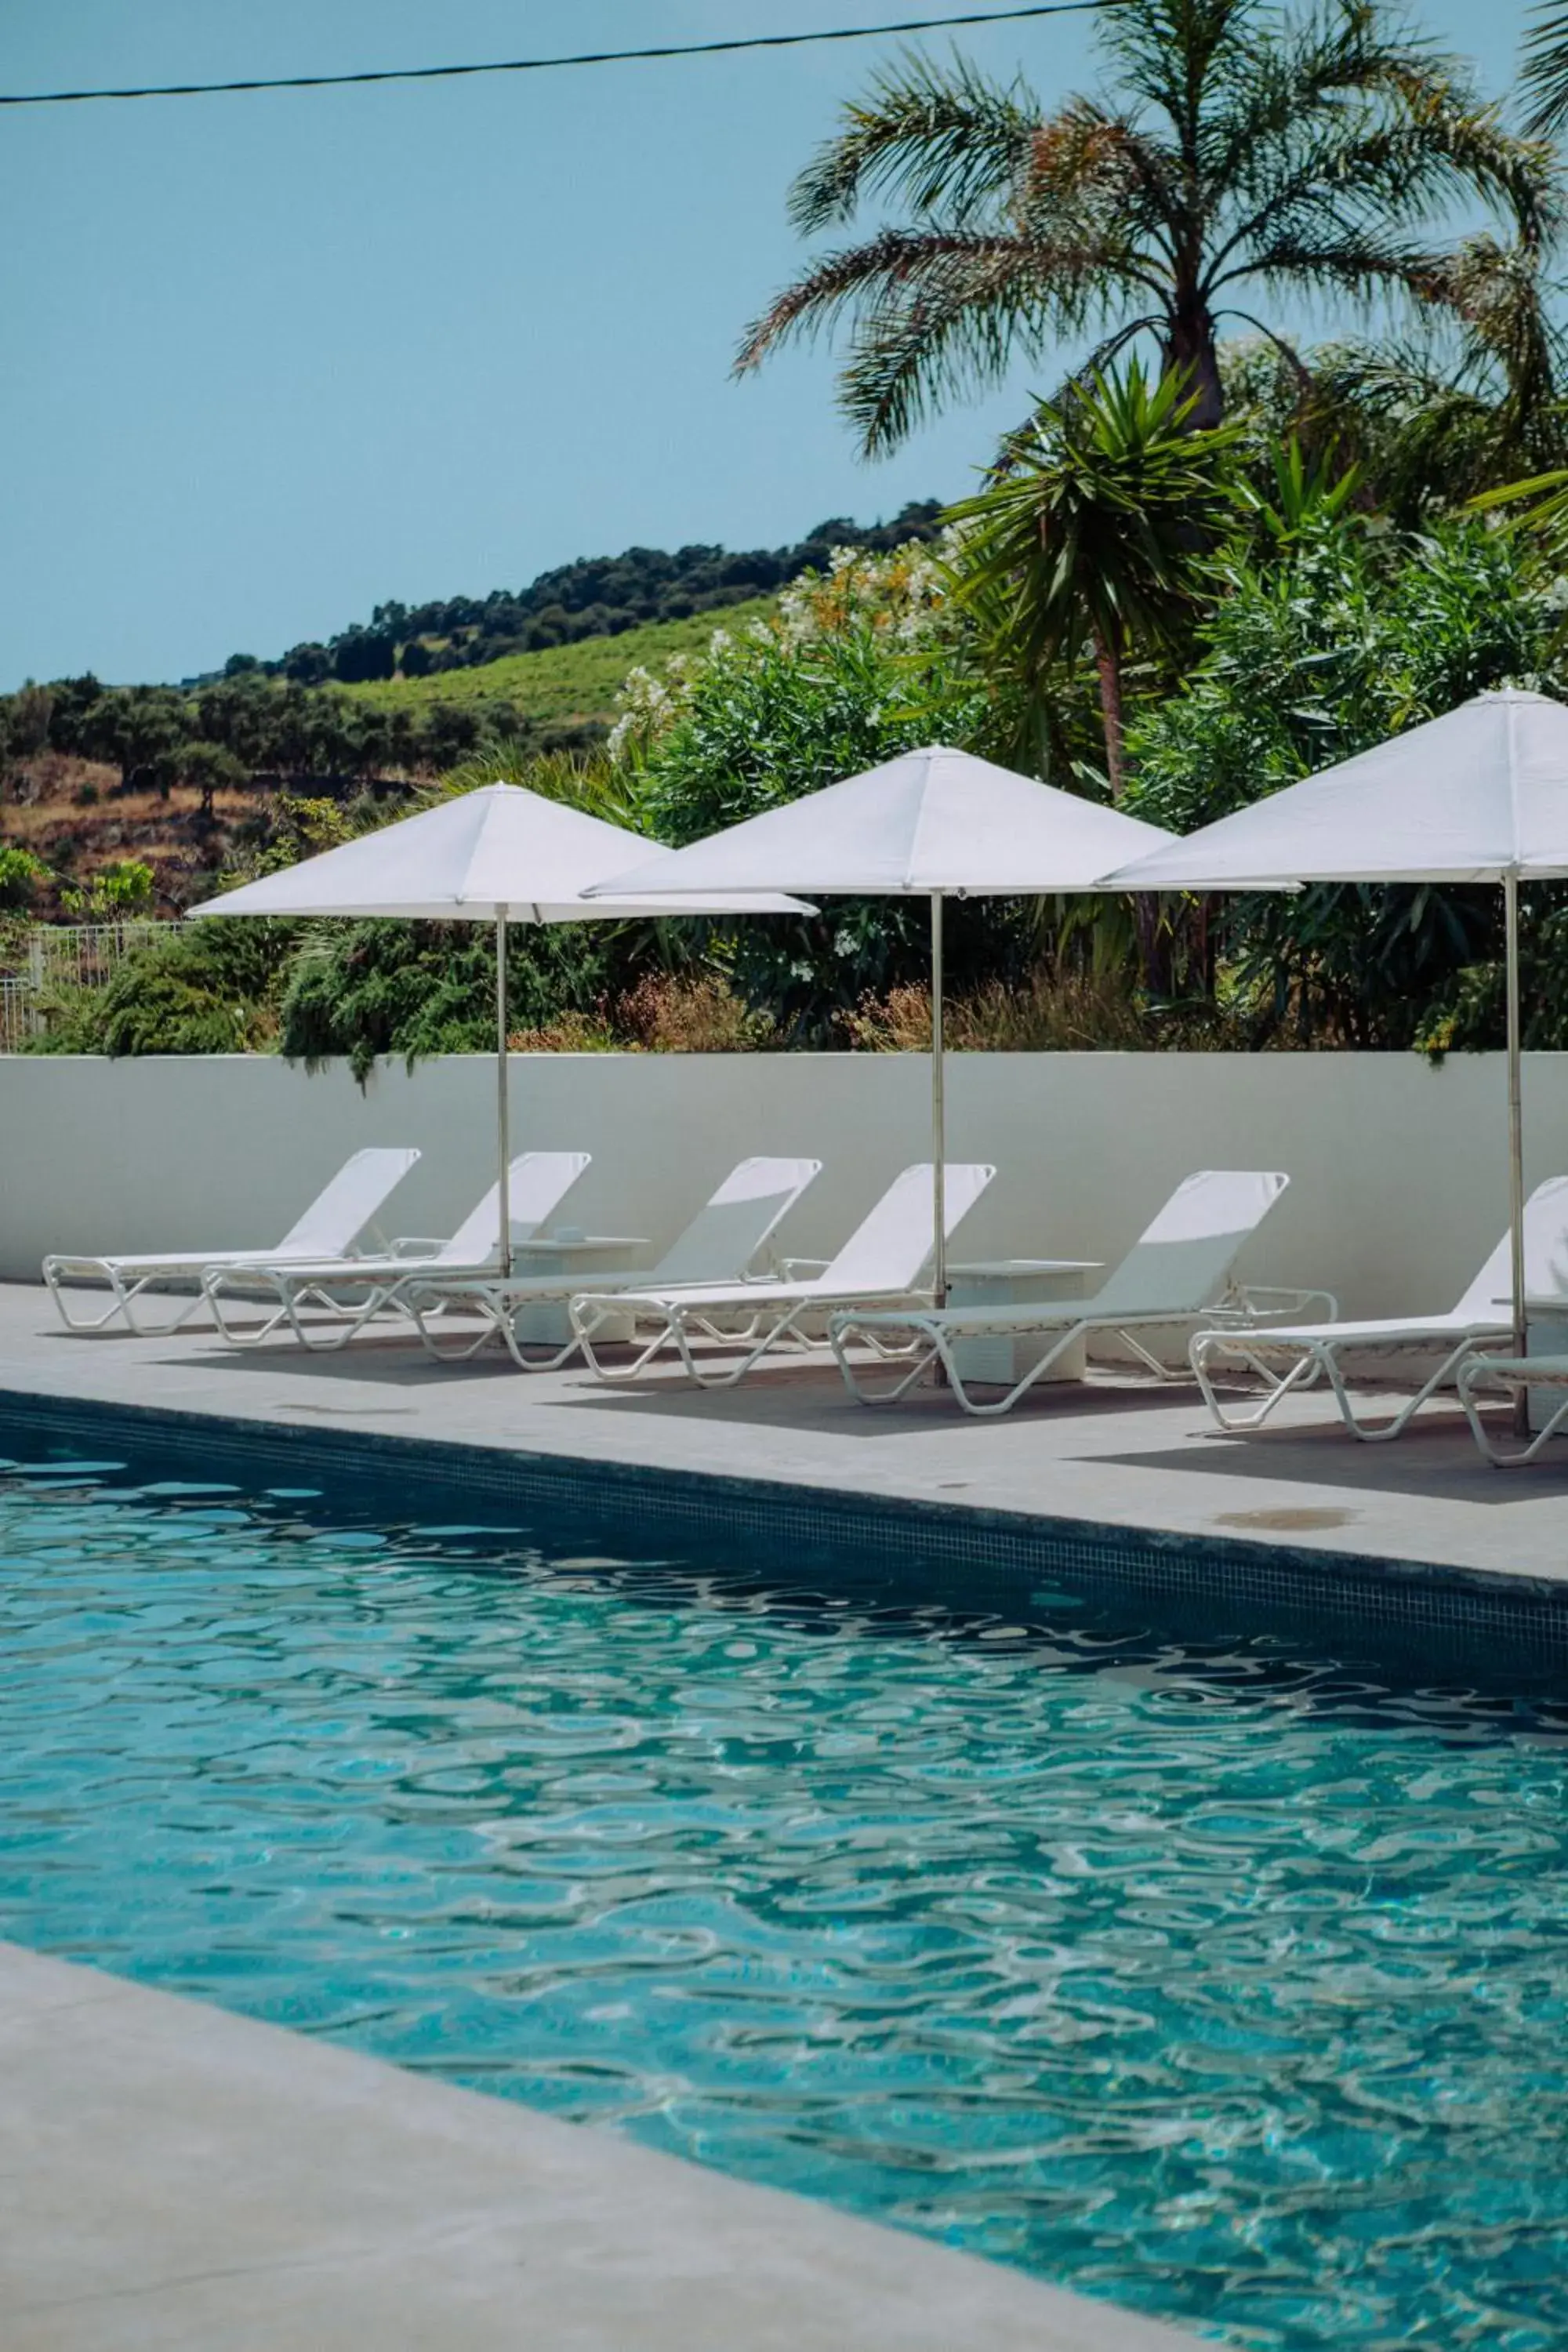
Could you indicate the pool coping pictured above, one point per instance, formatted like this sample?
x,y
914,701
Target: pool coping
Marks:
x,y
1321,1584
181,2176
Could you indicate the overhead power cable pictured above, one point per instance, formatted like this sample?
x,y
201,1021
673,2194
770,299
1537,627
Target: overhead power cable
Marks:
x,y
549,65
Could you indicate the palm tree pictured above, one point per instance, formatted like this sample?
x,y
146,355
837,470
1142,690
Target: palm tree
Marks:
x,y
1474,398
1235,156
1093,530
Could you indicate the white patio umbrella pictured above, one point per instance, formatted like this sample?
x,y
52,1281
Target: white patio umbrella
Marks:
x,y
934,824
499,854
1480,795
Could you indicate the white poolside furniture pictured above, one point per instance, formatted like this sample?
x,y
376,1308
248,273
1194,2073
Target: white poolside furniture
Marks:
x,y
996,1361
1172,1276
578,1260
719,1246
1542,1373
1289,1358
335,1220
885,1257
350,1294
1544,1381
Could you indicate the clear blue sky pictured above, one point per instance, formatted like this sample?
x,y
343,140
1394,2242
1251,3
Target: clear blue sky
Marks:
x,y
268,359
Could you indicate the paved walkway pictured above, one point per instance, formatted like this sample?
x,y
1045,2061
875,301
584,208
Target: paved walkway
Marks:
x,y
1114,1455
179,2180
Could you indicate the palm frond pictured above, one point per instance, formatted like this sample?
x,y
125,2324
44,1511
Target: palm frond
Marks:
x,y
940,138
927,273
955,328
1166,51
1236,145
1545,75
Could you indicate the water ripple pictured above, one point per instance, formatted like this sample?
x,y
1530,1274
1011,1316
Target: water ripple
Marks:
x,y
1218,1978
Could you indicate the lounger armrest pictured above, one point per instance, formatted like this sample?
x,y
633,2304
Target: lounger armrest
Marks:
x,y
417,1245
1252,1303
797,1269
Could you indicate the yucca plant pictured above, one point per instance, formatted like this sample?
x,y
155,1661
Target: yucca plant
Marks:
x,y
1093,532
1234,157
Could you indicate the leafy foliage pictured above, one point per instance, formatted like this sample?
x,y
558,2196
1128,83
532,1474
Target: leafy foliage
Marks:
x,y
1351,636
205,988
1233,156
871,660
115,892
21,874
1469,400
1095,527
361,990
1545,77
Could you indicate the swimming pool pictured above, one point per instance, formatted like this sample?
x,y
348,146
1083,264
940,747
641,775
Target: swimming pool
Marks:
x,y
1211,1974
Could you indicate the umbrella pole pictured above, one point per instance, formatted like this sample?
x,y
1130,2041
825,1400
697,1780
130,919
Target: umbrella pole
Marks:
x,y
504,1137
1515,1142
938,1115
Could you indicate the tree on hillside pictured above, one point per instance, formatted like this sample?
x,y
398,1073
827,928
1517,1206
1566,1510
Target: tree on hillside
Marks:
x,y
141,730
1232,159
209,769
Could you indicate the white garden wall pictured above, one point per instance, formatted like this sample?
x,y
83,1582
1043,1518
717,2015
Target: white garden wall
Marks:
x,y
1398,1170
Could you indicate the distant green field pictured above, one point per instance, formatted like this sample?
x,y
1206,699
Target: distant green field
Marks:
x,y
564,683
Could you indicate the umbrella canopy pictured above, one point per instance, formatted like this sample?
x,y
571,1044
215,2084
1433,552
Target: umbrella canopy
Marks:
x,y
500,855
1480,795
1472,797
934,824
499,852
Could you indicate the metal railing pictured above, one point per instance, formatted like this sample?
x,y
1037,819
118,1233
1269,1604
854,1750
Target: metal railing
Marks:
x,y
63,955
19,1015
84,955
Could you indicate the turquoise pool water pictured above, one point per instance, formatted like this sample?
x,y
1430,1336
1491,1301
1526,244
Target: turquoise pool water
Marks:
x,y
1217,1977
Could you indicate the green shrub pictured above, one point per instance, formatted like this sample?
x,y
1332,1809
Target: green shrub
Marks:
x,y
1351,637
21,876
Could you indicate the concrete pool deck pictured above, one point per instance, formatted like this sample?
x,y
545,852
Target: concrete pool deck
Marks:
x,y
177,2179
1119,1455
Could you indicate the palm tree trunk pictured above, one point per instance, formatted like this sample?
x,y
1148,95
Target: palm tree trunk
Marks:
x,y
1146,909
1191,344
1107,662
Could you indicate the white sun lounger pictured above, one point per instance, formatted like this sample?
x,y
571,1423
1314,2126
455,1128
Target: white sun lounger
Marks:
x,y
329,1228
1173,1274
718,1246
354,1291
1291,1357
1494,1376
885,1257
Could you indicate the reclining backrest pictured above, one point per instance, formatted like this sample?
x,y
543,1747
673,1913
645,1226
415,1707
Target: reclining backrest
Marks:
x,y
1488,1298
888,1249
1181,1261
728,1231
538,1181
342,1210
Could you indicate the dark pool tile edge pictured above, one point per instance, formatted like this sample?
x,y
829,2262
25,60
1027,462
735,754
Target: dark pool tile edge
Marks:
x,y
1325,1582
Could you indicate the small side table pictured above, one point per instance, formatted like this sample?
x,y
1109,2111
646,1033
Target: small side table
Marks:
x,y
1545,1333
548,1324
1001,1361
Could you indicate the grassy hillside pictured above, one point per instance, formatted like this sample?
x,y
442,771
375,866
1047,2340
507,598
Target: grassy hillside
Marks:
x,y
78,810
561,684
